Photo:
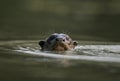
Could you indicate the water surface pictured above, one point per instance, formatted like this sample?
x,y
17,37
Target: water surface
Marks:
x,y
23,60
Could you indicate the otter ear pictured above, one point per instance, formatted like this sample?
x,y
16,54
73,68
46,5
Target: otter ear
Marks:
x,y
75,43
42,43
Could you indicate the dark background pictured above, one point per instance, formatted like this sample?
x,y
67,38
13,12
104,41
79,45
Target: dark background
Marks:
x,y
97,20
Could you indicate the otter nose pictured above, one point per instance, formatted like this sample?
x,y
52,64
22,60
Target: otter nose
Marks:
x,y
60,39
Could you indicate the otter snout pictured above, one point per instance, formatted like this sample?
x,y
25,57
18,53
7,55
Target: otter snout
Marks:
x,y
60,39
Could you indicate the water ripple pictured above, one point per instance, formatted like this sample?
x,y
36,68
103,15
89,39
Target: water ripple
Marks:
x,y
99,53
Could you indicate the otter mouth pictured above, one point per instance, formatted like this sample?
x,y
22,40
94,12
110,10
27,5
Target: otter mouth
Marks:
x,y
60,46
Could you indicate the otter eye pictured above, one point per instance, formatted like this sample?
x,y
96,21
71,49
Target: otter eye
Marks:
x,y
67,38
57,40
63,39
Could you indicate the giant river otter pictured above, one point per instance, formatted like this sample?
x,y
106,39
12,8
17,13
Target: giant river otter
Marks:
x,y
57,42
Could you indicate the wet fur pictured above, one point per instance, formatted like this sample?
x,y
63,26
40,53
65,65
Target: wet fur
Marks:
x,y
57,42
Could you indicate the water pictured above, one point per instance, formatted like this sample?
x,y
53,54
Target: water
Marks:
x,y
22,60
24,22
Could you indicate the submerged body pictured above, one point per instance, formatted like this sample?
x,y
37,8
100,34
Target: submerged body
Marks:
x,y
57,42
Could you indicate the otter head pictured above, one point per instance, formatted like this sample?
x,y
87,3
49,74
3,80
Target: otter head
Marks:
x,y
58,42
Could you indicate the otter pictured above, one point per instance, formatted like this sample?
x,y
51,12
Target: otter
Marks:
x,y
57,42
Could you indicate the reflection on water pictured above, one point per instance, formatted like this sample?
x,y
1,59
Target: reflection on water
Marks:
x,y
23,60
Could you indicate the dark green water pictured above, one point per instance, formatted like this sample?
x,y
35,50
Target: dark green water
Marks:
x,y
94,23
23,60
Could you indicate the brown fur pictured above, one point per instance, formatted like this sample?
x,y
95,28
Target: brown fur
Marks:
x,y
57,42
